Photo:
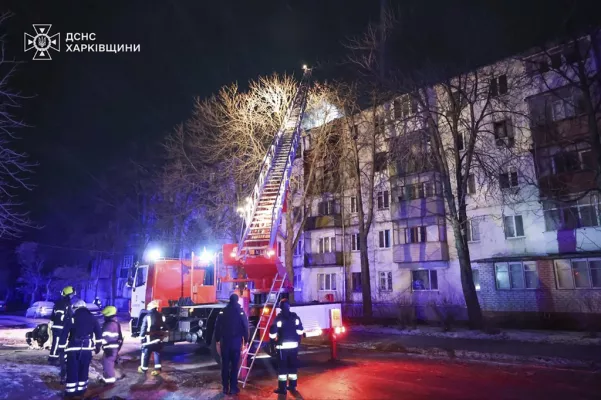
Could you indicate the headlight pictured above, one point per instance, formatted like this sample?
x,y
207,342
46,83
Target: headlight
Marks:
x,y
200,323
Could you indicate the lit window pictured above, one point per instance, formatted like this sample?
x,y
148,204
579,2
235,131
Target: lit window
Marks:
x,y
516,275
578,273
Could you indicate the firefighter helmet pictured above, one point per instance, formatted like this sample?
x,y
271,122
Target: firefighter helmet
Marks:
x,y
109,311
79,304
67,291
152,305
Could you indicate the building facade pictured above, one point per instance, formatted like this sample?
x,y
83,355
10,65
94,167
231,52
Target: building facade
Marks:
x,y
534,223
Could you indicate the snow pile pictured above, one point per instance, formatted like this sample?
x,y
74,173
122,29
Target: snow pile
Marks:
x,y
15,336
528,336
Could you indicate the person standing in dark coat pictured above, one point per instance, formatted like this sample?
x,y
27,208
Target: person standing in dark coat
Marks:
x,y
231,333
39,335
83,335
286,331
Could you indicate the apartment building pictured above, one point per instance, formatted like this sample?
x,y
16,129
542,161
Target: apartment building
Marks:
x,y
534,229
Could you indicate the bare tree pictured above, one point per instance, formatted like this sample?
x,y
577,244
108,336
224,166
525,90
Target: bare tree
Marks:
x,y
312,173
216,154
465,126
14,167
33,276
565,116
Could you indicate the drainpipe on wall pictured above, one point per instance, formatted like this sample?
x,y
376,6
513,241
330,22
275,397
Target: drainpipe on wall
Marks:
x,y
344,272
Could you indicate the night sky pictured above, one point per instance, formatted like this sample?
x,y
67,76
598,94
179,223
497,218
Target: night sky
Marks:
x,y
91,110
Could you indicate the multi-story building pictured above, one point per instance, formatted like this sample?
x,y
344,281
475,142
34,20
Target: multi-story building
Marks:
x,y
534,229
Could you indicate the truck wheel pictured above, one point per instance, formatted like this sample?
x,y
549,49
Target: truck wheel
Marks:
x,y
213,348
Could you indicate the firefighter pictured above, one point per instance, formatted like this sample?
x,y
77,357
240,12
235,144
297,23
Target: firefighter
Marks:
x,y
60,312
152,333
286,331
83,335
112,340
39,335
231,332
97,302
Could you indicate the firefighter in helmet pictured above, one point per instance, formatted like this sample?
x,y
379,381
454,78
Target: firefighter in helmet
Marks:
x,y
60,313
83,335
112,340
286,331
152,333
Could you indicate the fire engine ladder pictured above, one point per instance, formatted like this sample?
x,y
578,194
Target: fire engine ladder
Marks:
x,y
262,328
265,209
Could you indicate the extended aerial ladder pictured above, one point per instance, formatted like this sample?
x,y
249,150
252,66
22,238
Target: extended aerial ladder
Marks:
x,y
256,249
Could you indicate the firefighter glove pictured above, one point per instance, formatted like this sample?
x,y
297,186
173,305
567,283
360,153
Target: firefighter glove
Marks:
x,y
97,349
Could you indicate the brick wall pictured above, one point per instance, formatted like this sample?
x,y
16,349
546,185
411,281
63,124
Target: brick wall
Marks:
x,y
546,299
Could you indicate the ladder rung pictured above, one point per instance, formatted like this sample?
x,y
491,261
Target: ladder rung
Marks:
x,y
245,367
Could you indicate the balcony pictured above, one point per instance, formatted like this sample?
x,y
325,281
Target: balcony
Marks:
x,y
323,259
420,252
418,208
555,186
323,221
559,131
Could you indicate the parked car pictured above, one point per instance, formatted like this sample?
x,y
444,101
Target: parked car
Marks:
x,y
40,309
2,306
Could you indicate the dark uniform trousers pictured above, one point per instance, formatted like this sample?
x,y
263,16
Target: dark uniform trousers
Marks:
x,y
79,356
155,350
288,366
230,359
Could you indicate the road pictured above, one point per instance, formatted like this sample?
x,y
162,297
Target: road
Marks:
x,y
190,373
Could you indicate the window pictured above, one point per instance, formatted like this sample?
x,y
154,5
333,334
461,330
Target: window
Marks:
x,y
383,200
508,179
498,85
516,275
404,107
578,273
380,162
476,278
385,281
503,133
583,213
355,242
327,245
418,191
326,281
356,281
279,249
128,262
459,99
471,184
416,234
424,279
326,207
297,282
514,226
460,141
384,239
473,230
354,205
298,249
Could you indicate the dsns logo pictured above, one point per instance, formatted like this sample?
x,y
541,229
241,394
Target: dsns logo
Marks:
x,y
42,41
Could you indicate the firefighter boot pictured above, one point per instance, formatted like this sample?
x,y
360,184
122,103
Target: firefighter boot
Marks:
x,y
292,381
281,387
141,371
155,372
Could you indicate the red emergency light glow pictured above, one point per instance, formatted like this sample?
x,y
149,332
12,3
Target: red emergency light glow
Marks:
x,y
339,329
266,310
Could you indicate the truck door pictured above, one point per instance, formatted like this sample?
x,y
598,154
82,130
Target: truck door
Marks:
x,y
138,294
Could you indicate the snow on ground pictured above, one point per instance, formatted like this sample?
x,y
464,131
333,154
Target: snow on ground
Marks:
x,y
528,336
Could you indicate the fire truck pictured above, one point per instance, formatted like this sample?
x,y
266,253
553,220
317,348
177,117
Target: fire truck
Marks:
x,y
186,289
